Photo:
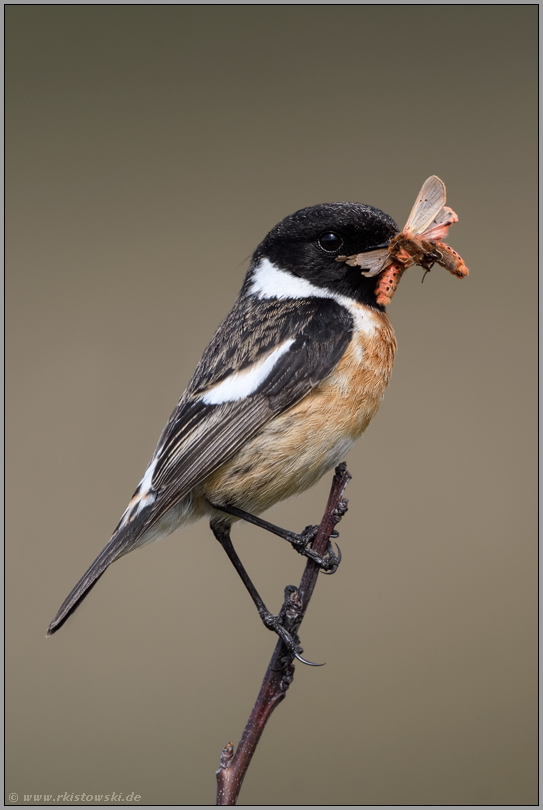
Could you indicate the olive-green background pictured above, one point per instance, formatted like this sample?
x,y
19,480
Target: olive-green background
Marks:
x,y
149,150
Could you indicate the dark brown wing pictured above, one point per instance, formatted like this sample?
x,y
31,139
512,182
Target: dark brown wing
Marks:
x,y
203,434
209,426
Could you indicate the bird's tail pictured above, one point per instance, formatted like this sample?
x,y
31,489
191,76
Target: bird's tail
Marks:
x,y
123,540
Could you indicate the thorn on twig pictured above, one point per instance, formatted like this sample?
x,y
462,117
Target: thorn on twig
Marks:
x,y
287,677
340,471
340,510
227,756
291,608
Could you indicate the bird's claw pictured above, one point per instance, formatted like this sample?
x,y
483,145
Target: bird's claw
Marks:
x,y
305,661
290,641
301,541
331,560
328,562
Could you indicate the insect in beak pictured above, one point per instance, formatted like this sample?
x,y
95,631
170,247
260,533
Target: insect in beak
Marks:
x,y
420,242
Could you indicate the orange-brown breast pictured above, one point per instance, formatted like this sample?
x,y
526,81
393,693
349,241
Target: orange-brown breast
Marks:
x,y
296,448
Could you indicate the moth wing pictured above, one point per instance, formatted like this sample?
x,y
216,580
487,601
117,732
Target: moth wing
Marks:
x,y
438,229
430,201
371,263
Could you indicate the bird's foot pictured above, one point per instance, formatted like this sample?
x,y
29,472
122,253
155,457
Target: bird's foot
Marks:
x,y
328,562
290,614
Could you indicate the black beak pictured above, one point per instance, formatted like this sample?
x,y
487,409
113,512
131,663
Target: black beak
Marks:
x,y
377,247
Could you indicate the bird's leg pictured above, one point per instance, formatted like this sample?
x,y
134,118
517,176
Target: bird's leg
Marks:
x,y
222,533
300,542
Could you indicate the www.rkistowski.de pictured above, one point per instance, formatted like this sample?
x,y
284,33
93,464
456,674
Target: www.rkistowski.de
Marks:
x,y
95,798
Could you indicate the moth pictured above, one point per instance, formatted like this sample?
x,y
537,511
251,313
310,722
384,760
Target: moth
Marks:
x,y
420,242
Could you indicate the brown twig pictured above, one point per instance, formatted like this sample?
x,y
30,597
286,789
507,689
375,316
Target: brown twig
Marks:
x,y
280,672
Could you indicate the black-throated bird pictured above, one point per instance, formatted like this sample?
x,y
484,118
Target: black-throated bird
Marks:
x,y
291,378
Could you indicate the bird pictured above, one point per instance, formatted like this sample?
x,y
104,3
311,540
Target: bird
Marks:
x,y
291,378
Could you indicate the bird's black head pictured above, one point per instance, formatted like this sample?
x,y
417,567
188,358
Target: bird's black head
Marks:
x,y
307,243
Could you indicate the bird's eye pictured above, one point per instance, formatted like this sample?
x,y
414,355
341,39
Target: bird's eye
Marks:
x,y
330,242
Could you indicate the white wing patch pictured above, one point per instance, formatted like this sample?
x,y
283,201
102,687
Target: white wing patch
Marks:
x,y
145,486
244,383
270,281
144,496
